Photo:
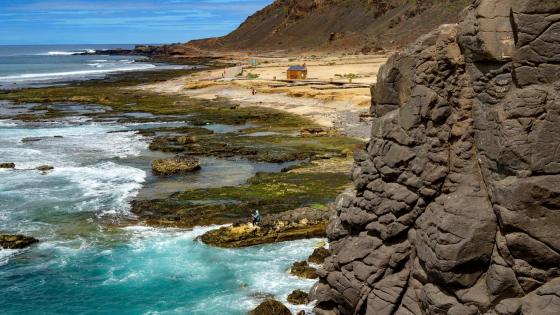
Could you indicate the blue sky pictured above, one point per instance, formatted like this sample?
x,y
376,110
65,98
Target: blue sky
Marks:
x,y
25,22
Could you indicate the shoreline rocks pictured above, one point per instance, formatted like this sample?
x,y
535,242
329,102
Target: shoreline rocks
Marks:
x,y
454,208
175,165
44,168
271,307
319,255
8,165
16,241
291,225
302,269
298,297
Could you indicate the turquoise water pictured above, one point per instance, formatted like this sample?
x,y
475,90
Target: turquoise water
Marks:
x,y
89,261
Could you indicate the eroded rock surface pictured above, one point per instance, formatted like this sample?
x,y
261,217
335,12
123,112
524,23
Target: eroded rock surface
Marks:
x,y
271,307
11,241
300,223
456,199
175,165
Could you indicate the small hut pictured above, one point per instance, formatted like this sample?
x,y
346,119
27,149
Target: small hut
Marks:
x,y
297,72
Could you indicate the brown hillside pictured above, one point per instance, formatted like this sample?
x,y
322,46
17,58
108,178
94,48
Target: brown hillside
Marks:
x,y
337,24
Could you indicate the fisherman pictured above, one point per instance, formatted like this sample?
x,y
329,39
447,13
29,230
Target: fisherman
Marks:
x,y
256,217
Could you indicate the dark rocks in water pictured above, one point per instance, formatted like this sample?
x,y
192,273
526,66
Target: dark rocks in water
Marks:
x,y
318,256
271,307
454,208
10,241
290,225
44,168
175,165
303,270
31,139
298,297
7,165
165,145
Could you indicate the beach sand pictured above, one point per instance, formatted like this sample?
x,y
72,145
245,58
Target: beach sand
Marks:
x,y
327,97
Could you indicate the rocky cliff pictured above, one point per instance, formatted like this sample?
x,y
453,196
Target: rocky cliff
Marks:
x,y
456,201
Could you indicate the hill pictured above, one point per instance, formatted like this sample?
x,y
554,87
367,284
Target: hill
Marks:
x,y
338,25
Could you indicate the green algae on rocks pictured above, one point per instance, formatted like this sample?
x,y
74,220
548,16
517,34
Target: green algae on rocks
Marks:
x,y
268,192
283,138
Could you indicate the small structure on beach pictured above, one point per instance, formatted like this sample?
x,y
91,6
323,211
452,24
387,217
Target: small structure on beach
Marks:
x,y
297,72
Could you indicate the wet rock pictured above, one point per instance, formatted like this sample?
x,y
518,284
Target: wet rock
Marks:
x,y
185,139
303,270
318,256
7,165
298,297
44,168
9,241
455,202
31,139
271,307
175,165
290,225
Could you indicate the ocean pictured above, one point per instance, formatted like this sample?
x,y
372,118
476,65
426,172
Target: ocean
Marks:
x,y
88,261
24,66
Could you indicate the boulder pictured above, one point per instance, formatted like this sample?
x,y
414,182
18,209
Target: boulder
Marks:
x,y
271,307
44,168
298,297
16,241
303,270
318,256
176,165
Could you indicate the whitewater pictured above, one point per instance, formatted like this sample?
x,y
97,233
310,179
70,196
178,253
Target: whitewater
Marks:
x,y
29,66
91,259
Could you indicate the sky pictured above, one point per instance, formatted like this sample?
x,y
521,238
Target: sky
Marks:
x,y
39,22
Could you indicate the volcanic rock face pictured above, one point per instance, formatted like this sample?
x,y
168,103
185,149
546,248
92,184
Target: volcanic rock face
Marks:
x,y
456,198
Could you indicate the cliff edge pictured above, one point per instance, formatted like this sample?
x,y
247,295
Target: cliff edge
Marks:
x,y
456,201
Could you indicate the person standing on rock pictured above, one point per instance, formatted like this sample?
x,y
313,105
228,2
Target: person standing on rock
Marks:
x,y
256,217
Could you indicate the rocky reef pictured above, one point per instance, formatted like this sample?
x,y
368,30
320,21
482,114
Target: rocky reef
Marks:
x,y
175,165
10,241
456,198
290,225
271,307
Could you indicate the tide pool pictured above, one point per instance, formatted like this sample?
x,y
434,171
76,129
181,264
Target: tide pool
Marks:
x,y
89,261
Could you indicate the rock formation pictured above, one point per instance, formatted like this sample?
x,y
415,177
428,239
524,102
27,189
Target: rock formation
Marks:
x,y
289,225
303,270
271,307
176,165
456,198
9,241
298,297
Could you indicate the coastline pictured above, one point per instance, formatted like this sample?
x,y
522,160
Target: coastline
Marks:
x,y
260,137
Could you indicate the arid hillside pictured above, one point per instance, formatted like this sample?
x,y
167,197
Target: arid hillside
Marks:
x,y
337,25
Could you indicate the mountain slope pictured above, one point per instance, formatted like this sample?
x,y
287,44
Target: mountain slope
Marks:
x,y
336,24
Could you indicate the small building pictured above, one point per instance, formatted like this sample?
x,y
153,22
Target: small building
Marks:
x,y
297,72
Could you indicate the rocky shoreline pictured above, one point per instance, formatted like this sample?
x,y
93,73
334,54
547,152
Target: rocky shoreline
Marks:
x,y
285,226
454,208
293,202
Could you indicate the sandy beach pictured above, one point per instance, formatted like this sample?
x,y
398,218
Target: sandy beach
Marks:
x,y
335,94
